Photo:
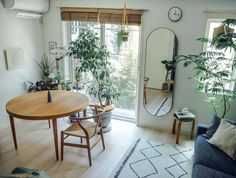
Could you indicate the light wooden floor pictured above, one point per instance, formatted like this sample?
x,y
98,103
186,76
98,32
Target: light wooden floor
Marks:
x,y
36,149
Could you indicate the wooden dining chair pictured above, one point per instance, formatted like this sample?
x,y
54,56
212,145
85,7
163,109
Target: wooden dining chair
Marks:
x,y
86,128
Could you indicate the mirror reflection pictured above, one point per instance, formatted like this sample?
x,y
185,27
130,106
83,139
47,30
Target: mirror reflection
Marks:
x,y
159,77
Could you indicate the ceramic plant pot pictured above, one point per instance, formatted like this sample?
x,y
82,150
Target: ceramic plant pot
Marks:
x,y
106,118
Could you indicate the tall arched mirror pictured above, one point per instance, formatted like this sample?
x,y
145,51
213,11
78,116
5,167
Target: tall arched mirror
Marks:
x,y
159,80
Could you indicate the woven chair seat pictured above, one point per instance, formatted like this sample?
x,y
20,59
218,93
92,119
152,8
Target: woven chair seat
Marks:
x,y
76,130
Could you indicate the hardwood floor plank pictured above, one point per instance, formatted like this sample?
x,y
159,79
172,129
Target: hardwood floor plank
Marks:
x,y
36,149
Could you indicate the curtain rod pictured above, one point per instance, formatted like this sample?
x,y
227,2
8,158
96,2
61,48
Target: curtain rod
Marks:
x,y
119,8
220,11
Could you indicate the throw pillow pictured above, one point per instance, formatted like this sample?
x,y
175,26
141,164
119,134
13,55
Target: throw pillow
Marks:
x,y
213,127
225,138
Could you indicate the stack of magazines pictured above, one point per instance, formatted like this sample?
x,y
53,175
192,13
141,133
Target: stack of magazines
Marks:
x,y
181,115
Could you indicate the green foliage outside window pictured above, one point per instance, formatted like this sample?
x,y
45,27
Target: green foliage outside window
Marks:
x,y
127,83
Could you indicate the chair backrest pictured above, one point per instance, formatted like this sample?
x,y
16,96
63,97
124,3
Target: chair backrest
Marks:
x,y
145,81
97,113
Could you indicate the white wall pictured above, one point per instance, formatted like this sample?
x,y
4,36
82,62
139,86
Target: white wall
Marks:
x,y
21,33
190,27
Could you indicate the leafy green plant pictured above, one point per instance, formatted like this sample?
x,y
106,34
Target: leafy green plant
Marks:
x,y
170,67
213,70
46,66
94,59
121,37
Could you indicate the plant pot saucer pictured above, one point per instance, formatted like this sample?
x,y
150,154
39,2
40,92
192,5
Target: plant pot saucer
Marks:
x,y
106,129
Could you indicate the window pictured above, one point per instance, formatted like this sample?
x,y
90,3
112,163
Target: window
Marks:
x,y
229,53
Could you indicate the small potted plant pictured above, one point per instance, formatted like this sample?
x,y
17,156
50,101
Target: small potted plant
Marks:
x,y
94,59
46,66
170,68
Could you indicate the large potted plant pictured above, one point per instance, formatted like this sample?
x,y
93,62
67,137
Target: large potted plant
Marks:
x,y
213,70
94,61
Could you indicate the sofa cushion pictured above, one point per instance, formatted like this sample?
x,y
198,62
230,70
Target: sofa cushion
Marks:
x,y
212,157
200,171
214,126
225,138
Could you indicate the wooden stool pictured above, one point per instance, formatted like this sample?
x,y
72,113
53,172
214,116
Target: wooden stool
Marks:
x,y
180,120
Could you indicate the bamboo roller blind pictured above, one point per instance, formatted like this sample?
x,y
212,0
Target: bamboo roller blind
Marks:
x,y
102,15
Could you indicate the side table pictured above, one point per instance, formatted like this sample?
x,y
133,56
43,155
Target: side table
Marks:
x,y
180,117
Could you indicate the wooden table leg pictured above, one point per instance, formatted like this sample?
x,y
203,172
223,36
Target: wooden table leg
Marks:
x,y
173,127
85,113
49,124
13,130
192,131
54,124
178,132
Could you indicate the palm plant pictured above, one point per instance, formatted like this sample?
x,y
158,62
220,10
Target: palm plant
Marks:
x,y
46,66
213,70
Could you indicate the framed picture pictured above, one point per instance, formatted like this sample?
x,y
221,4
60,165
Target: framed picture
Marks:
x,y
14,58
52,47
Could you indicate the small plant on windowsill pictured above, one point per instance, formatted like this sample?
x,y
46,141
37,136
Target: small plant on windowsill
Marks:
x,y
213,70
94,59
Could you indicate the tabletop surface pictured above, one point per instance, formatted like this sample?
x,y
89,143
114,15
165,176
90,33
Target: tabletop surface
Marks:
x,y
34,106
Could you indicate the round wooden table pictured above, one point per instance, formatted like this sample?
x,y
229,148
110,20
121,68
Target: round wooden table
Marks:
x,y
34,106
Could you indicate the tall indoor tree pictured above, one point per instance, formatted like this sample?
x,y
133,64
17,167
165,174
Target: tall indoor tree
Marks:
x,y
213,70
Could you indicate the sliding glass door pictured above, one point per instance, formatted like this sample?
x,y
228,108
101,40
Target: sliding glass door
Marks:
x,y
123,58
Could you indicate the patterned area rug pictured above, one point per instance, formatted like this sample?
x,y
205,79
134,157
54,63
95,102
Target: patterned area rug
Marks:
x,y
155,160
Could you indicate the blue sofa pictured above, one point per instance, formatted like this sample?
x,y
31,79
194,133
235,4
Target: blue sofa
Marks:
x,y
209,161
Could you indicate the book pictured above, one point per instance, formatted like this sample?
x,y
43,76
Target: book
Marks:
x,y
181,115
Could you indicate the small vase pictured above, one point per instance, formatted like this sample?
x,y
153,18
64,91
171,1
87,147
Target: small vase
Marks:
x,y
49,97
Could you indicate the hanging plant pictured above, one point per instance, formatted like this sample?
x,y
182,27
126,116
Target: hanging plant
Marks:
x,y
124,26
123,33
121,36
